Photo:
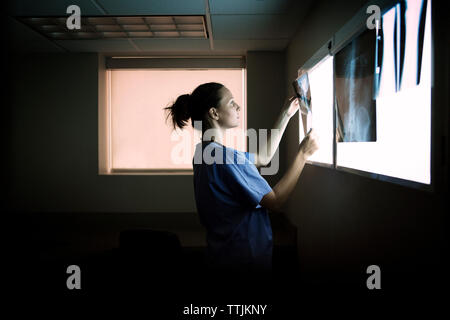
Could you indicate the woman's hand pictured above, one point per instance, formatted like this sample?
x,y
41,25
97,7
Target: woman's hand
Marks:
x,y
291,106
309,144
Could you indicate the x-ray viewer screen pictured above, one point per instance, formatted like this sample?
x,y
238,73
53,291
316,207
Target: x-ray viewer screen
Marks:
x,y
403,106
321,86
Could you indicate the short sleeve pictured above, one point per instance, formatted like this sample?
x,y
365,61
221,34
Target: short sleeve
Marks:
x,y
244,180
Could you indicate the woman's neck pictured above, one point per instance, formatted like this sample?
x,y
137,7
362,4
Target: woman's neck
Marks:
x,y
214,134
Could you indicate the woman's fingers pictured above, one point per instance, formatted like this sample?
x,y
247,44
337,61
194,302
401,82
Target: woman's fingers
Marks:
x,y
293,107
310,143
314,141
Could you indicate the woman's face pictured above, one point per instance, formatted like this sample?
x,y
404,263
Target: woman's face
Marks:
x,y
228,110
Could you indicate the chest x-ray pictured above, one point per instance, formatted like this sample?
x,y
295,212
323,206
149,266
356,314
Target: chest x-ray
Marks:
x,y
358,69
354,85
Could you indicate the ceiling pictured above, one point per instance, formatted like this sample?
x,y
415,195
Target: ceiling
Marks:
x,y
236,26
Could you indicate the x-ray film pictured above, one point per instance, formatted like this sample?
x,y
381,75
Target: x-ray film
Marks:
x,y
303,92
354,87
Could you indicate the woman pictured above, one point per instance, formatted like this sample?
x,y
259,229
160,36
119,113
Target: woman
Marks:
x,y
232,198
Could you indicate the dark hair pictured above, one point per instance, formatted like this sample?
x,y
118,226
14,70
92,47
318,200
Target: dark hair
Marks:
x,y
195,105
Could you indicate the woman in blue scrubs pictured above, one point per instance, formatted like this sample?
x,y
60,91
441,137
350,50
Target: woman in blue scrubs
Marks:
x,y
232,198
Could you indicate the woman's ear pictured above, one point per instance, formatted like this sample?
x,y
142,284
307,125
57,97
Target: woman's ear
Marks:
x,y
213,114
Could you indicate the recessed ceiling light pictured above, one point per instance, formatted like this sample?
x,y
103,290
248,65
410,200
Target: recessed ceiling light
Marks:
x,y
114,34
135,27
163,27
159,20
108,27
121,27
166,34
143,34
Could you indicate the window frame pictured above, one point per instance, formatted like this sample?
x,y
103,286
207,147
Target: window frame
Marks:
x,y
110,63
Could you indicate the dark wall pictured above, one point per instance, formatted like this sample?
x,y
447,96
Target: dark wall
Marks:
x,y
55,145
347,222
265,89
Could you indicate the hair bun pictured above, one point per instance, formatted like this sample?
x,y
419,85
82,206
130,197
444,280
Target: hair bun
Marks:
x,y
185,102
194,106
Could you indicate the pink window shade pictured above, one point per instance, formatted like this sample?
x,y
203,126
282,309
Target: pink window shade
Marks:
x,y
140,136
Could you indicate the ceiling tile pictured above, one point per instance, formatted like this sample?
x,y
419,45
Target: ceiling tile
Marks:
x,y
85,35
193,34
130,20
51,28
59,35
50,7
37,21
107,27
114,34
190,27
159,20
189,20
250,27
250,6
102,20
172,45
166,34
135,27
163,27
144,34
101,45
154,7
251,45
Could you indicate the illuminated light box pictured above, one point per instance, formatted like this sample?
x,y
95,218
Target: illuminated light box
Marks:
x,y
320,78
403,106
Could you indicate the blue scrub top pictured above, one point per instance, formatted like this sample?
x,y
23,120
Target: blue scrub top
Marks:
x,y
227,195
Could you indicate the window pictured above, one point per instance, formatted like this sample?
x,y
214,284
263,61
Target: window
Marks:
x,y
140,138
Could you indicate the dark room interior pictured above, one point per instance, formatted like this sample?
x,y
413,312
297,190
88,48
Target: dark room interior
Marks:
x,y
137,235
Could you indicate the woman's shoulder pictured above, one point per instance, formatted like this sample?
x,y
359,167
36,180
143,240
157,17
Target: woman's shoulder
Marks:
x,y
230,155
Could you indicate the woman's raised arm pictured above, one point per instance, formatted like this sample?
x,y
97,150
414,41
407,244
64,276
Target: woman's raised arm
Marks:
x,y
269,146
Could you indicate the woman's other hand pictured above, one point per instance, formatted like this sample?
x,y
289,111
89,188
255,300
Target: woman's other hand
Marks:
x,y
309,144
